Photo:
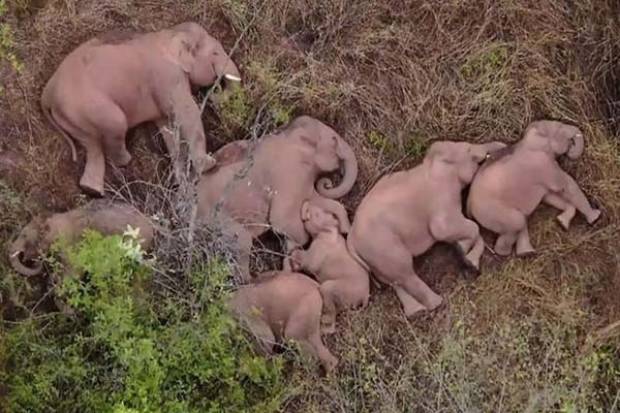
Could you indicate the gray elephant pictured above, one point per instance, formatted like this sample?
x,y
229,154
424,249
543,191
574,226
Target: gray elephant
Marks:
x,y
107,217
116,81
407,212
282,171
509,187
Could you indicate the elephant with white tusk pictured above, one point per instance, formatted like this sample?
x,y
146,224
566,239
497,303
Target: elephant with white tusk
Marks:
x,y
509,187
116,81
407,212
284,305
254,190
107,217
341,276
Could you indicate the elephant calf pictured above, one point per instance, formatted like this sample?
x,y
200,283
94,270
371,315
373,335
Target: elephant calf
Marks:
x,y
507,189
342,278
107,217
284,305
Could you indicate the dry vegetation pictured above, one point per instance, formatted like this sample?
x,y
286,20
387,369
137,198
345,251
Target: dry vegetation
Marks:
x,y
528,335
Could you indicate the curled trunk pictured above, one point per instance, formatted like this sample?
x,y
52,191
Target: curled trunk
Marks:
x,y
324,185
15,258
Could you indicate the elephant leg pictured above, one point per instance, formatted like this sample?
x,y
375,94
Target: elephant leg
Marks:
x,y
512,223
285,218
571,192
263,334
524,246
397,267
112,125
568,210
304,326
329,292
455,228
243,241
411,306
94,171
172,146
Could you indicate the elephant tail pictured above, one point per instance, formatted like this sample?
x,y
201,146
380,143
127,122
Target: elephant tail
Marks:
x,y
355,255
47,112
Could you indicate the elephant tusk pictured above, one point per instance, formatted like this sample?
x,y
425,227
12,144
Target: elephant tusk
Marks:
x,y
232,78
15,254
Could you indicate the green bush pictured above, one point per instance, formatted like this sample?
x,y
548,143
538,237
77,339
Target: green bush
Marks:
x,y
130,350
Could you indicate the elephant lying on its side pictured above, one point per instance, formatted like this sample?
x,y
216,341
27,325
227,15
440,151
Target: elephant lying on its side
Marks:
x,y
508,188
105,216
342,277
407,212
116,81
281,176
284,305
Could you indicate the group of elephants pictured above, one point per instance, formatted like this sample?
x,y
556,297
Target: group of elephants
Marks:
x,y
117,81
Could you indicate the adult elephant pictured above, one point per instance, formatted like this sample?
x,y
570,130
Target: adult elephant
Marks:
x,y
407,212
117,81
253,191
509,187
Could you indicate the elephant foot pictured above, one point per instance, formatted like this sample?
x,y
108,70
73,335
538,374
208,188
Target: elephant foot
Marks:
x,y
434,302
473,263
204,164
594,216
524,253
563,221
91,187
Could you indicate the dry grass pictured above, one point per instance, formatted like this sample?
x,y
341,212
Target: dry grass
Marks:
x,y
528,335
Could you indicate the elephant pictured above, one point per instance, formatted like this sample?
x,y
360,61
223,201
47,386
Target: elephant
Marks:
x,y
508,187
115,82
107,217
341,276
283,305
407,212
253,190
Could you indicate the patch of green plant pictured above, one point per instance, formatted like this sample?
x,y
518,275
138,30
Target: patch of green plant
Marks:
x,y
235,109
486,62
379,141
280,113
7,42
126,352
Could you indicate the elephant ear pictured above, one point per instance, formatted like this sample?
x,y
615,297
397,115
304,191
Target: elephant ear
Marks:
x,y
441,152
311,140
184,50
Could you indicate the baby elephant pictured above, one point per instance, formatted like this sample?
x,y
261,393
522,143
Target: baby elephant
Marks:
x,y
342,278
102,215
284,305
509,187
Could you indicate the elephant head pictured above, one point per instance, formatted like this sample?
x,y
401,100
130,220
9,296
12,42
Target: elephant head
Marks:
x,y
446,158
26,249
555,137
201,56
330,151
321,214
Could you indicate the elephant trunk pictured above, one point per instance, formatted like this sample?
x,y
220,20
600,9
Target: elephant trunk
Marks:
x,y
228,70
15,257
576,148
336,208
324,185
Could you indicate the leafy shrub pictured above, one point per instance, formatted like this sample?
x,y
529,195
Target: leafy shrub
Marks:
x,y
128,352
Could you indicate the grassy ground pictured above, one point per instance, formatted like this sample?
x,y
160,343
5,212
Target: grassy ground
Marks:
x,y
528,335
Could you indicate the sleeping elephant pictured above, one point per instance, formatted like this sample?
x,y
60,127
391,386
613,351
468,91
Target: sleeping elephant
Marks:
x,y
255,190
107,217
284,305
509,187
407,212
114,82
342,278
